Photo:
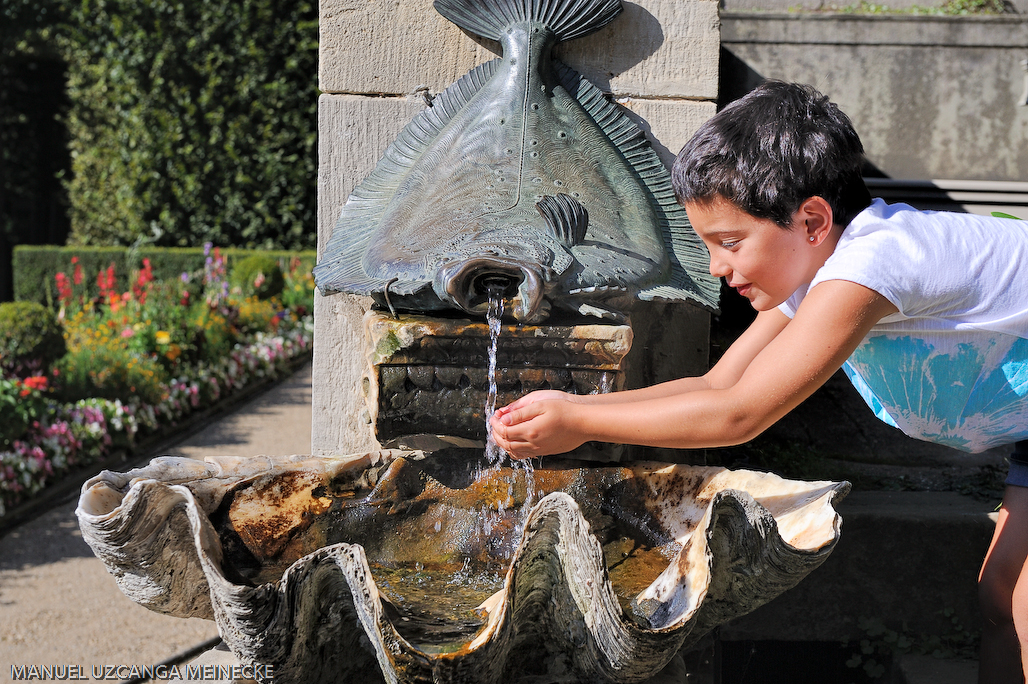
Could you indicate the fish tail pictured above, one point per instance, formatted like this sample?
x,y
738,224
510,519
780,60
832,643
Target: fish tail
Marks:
x,y
568,19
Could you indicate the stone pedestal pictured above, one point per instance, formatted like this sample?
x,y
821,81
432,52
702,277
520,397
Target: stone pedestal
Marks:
x,y
429,375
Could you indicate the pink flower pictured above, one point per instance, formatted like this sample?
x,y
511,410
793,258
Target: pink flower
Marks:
x,y
127,332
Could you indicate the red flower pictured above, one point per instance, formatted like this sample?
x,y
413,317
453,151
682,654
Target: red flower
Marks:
x,y
63,287
36,382
141,287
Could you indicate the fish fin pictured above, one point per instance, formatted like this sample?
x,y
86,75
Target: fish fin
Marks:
x,y
689,276
568,19
566,216
341,266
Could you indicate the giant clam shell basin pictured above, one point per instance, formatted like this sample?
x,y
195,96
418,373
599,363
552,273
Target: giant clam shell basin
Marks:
x,y
401,566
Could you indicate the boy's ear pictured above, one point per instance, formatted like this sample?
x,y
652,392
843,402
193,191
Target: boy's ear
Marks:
x,y
815,217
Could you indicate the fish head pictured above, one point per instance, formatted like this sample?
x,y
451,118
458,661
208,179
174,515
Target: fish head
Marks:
x,y
470,282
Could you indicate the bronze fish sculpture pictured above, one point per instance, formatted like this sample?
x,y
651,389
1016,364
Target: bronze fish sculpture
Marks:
x,y
520,181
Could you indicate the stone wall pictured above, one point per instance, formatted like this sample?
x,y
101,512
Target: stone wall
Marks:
x,y
932,97
378,60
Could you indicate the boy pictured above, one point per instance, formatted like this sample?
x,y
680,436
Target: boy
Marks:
x,y
928,312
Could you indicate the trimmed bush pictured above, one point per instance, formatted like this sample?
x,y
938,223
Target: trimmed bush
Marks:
x,y
35,267
258,275
193,122
31,338
186,122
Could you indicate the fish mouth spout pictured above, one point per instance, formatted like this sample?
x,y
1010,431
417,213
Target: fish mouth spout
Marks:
x,y
470,285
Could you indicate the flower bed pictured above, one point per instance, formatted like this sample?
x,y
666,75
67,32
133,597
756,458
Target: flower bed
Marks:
x,y
139,361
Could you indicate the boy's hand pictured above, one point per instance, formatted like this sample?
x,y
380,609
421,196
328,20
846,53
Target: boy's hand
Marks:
x,y
539,424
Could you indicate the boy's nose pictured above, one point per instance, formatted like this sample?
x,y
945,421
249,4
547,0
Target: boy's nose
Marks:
x,y
719,269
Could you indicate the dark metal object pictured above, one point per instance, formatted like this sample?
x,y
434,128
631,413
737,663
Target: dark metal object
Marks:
x,y
521,176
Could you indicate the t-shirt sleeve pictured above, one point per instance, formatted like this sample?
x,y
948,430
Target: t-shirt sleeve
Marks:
x,y
885,261
789,306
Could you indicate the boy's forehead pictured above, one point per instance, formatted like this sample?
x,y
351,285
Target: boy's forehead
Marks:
x,y
717,215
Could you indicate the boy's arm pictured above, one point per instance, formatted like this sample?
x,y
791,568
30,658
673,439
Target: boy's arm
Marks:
x,y
724,373
751,388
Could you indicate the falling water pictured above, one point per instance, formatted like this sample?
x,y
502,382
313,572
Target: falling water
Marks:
x,y
494,454
495,313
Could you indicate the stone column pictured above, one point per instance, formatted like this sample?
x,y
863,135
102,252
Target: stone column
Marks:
x,y
379,59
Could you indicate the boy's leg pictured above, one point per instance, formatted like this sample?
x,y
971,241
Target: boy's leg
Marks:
x,y
1003,583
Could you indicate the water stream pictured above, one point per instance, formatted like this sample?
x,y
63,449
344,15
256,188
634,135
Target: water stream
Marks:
x,y
494,317
493,453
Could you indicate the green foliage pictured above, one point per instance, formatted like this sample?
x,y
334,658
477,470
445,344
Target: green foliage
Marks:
x,y
106,369
298,292
36,266
964,7
1000,214
215,333
257,314
193,122
949,8
258,275
31,339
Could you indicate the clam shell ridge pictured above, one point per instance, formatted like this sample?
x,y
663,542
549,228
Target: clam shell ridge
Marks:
x,y
744,538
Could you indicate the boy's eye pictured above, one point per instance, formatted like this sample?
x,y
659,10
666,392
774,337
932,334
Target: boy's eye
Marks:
x,y
729,244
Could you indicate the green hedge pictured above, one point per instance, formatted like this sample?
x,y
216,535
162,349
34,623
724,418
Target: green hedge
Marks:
x,y
193,122
187,122
36,266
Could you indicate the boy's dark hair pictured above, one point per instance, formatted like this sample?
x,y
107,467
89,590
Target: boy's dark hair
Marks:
x,y
772,149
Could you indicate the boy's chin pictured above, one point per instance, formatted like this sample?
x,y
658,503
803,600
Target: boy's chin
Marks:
x,y
764,303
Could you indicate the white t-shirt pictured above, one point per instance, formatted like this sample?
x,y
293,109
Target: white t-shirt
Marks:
x,y
952,365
